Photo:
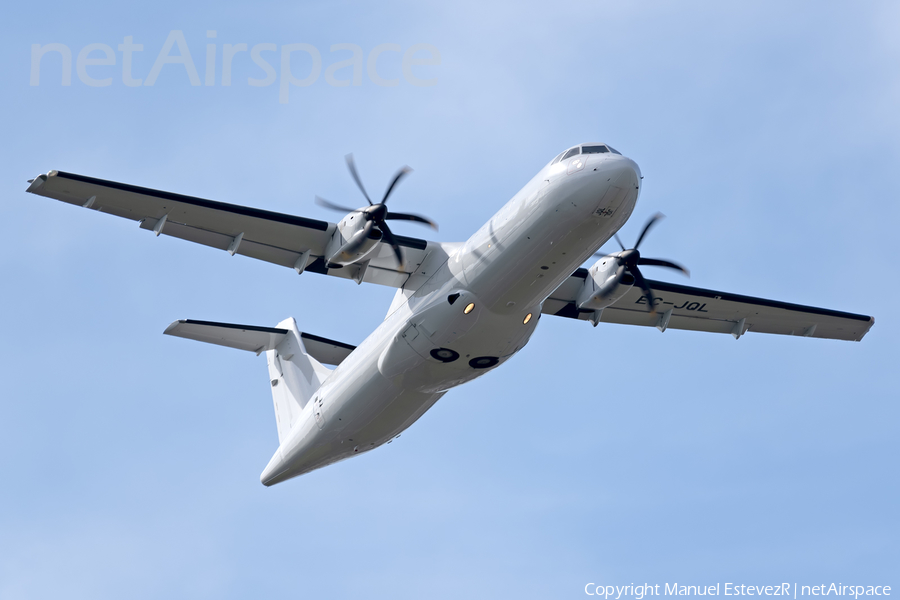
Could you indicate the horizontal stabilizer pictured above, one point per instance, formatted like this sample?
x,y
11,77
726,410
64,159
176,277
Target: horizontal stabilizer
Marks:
x,y
242,337
324,350
257,339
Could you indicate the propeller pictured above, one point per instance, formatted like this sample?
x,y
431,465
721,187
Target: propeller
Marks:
x,y
376,214
629,260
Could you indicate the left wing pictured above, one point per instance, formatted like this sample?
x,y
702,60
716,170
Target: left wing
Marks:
x,y
277,238
697,309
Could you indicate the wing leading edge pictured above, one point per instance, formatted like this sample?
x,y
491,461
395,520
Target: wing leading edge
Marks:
x,y
698,309
278,238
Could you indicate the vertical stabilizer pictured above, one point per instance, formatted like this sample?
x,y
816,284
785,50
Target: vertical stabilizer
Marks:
x,y
294,375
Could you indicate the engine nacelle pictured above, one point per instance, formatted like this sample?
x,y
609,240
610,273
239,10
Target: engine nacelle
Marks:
x,y
347,231
604,285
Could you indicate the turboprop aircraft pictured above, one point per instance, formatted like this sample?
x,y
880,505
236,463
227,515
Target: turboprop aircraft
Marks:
x,y
460,310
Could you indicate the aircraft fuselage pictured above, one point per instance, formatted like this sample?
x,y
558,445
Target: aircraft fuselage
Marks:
x,y
469,315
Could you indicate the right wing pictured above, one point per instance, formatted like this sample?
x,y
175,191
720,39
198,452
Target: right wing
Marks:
x,y
698,309
278,238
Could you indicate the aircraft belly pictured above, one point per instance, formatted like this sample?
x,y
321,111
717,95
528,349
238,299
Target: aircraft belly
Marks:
x,y
374,415
409,361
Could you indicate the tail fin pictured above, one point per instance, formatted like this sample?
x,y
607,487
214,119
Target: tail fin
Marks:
x,y
295,376
295,370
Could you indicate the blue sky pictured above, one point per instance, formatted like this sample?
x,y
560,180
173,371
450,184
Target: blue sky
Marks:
x,y
768,134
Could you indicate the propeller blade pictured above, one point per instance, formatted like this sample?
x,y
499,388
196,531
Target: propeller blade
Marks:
x,y
352,166
411,217
656,262
323,202
642,283
389,236
360,239
647,227
621,245
400,175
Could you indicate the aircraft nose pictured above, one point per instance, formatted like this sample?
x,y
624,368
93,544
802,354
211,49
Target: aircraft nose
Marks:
x,y
637,170
628,173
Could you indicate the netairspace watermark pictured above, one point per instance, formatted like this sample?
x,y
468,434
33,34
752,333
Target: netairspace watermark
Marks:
x,y
102,55
641,591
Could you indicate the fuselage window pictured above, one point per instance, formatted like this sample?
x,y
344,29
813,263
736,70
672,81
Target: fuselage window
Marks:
x,y
614,151
594,149
557,159
572,152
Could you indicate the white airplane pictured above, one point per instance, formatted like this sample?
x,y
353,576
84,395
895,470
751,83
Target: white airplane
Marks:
x,y
461,309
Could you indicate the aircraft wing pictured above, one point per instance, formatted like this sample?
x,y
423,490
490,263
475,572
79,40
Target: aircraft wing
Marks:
x,y
698,309
274,237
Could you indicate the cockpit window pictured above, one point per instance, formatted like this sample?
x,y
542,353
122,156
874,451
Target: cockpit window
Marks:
x,y
557,159
614,151
572,152
594,149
